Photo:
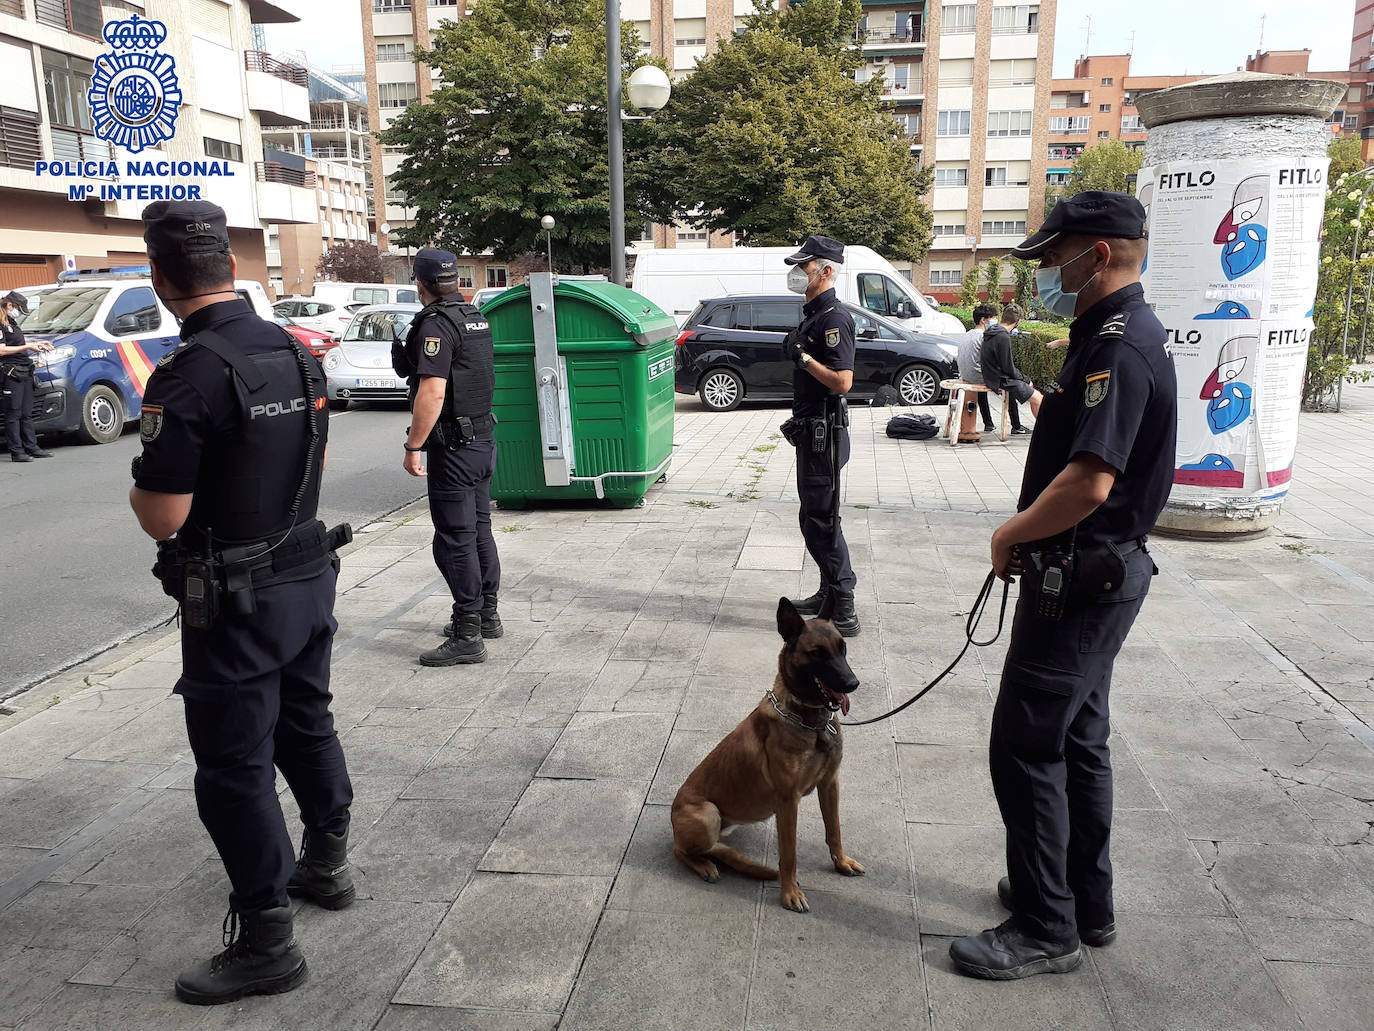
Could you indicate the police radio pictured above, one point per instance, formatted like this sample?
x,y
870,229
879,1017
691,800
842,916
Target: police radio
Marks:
x,y
1053,575
200,594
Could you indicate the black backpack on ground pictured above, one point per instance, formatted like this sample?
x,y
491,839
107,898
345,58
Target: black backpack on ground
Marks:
x,y
912,427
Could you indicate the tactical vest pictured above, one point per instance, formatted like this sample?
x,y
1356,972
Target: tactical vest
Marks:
x,y
472,376
267,476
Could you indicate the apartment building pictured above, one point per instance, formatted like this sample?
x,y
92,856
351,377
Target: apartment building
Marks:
x,y
230,92
1099,102
980,120
338,130
341,194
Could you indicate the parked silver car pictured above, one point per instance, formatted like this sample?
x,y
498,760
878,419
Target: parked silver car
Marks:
x,y
359,369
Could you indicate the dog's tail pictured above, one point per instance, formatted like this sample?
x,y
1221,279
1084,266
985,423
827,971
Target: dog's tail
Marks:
x,y
743,864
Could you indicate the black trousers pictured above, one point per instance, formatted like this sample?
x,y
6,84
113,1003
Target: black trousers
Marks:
x,y
256,690
984,408
820,522
17,398
1051,768
460,507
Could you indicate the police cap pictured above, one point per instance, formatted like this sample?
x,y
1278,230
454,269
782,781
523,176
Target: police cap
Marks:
x,y
18,300
1111,216
818,247
435,266
179,228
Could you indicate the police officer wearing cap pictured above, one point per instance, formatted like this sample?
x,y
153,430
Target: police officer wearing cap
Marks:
x,y
1097,476
822,349
234,428
447,356
16,380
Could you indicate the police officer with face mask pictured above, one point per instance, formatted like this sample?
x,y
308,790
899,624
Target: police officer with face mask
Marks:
x,y
822,349
1097,475
16,380
447,356
234,429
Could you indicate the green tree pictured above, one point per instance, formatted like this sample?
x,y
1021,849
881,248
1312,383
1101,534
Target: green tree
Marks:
x,y
352,261
515,129
968,293
771,138
1104,166
992,280
1347,157
1024,291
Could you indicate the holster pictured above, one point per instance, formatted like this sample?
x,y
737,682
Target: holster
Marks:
x,y
462,430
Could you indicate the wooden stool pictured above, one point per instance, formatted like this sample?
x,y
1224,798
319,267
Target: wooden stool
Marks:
x,y
960,393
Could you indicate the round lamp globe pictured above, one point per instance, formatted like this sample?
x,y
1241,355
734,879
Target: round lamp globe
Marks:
x,y
649,88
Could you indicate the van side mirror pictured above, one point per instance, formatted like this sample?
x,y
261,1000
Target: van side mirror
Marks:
x,y
125,325
907,310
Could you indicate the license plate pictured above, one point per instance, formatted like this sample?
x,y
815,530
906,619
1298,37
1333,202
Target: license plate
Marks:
x,y
385,382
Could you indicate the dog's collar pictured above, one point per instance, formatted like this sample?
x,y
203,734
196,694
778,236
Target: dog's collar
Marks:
x,y
792,717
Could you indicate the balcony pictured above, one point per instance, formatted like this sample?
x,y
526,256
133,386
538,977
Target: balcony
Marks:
x,y
285,194
278,92
338,125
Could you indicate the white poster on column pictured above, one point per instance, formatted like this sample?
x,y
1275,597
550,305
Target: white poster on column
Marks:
x,y
1231,272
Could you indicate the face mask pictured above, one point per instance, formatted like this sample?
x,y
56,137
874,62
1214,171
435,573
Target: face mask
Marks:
x,y
798,280
1049,285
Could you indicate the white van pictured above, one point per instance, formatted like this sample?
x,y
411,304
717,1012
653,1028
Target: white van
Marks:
x,y
678,280
342,294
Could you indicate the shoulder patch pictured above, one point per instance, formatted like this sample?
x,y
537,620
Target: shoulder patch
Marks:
x,y
166,359
832,337
431,346
1116,325
150,422
1095,388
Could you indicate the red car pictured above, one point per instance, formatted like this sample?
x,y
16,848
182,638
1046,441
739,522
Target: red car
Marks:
x,y
312,340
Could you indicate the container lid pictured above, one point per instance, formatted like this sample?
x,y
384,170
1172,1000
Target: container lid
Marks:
x,y
643,320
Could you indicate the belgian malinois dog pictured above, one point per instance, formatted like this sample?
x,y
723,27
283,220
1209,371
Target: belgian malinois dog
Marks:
x,y
786,748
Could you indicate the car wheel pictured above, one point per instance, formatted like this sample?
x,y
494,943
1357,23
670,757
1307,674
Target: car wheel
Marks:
x,y
722,390
918,385
102,416
338,404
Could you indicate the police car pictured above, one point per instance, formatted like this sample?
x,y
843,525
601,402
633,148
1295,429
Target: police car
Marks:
x,y
108,331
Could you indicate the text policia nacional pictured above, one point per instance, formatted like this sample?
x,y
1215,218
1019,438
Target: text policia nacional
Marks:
x,y
110,188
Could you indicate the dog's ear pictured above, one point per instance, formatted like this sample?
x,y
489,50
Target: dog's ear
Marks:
x,y
828,607
790,622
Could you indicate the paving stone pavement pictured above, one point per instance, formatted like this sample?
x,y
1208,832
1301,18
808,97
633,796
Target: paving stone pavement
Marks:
x,y
511,831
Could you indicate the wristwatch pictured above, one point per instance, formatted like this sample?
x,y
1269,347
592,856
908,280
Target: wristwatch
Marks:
x,y
806,359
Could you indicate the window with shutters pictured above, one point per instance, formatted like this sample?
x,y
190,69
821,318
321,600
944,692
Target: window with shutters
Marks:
x,y
953,123
1009,123
20,143
958,18
14,7
210,20
465,273
395,94
951,175
496,275
81,16
1008,21
393,52
946,277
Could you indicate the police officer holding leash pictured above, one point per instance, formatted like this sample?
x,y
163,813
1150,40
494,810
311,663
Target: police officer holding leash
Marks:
x,y
1097,476
822,349
447,356
234,430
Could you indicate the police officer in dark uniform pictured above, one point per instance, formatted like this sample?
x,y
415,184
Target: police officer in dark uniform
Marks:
x,y
447,356
822,349
1097,476
16,380
234,429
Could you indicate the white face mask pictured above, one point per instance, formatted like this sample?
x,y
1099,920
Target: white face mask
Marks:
x,y
798,280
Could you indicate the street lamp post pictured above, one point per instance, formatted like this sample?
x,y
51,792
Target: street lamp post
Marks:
x,y
649,91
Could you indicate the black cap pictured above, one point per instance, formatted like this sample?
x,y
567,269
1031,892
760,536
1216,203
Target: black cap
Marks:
x,y
435,266
818,247
18,300
178,228
1113,216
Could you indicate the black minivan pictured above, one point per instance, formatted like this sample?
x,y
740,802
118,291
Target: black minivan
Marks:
x,y
730,349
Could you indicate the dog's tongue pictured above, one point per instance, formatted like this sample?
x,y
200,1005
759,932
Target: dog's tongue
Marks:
x,y
844,704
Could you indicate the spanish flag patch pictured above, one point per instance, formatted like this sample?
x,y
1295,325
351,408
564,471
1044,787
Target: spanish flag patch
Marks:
x,y
1095,388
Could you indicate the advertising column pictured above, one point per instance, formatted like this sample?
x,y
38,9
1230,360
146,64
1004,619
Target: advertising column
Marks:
x,y
1234,185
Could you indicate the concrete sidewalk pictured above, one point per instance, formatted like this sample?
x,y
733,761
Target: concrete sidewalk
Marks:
x,y
511,830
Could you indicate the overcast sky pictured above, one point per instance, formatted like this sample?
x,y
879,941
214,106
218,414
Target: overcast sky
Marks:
x,y
1172,37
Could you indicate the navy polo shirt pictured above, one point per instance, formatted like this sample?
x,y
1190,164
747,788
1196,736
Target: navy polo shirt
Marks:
x,y
828,336
1116,398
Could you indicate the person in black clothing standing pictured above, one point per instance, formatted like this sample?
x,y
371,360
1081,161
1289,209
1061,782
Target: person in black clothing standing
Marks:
x,y
234,429
1098,473
822,349
16,380
447,356
1000,371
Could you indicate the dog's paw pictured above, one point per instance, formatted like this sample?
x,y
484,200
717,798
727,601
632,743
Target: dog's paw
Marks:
x,y
794,900
847,866
707,872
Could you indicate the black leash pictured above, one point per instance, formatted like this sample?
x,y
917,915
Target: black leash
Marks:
x,y
975,615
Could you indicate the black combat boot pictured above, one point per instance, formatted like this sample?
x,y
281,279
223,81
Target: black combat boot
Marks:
x,y
465,646
262,960
1006,953
322,874
812,606
846,618
1097,937
491,620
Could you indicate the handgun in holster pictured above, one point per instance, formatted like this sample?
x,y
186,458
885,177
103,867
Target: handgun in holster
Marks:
x,y
240,562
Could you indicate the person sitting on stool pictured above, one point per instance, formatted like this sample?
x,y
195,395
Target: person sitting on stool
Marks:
x,y
971,361
1000,371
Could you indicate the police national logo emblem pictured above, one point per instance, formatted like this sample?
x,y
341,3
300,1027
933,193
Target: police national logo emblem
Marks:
x,y
150,423
832,338
431,346
1095,388
134,93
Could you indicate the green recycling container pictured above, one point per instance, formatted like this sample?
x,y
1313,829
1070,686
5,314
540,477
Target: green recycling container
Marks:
x,y
617,348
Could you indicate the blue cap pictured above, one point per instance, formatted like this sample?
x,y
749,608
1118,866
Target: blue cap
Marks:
x,y
435,266
817,247
1100,213
176,229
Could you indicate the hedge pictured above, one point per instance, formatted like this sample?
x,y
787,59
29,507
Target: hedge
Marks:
x,y
1040,363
